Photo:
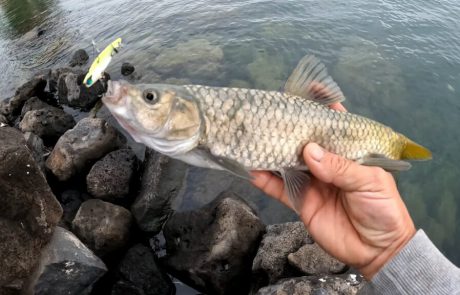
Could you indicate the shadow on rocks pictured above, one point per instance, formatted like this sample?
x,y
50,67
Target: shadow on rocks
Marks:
x,y
212,248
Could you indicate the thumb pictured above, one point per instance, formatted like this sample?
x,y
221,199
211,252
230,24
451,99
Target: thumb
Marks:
x,y
331,168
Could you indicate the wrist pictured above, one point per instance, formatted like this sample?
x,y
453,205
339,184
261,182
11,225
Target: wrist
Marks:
x,y
369,270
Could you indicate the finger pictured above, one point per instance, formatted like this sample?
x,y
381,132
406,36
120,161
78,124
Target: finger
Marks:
x,y
338,107
271,185
343,173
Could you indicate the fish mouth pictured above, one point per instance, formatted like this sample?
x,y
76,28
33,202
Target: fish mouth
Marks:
x,y
115,93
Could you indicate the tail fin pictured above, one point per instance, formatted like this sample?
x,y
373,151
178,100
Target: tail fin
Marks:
x,y
414,151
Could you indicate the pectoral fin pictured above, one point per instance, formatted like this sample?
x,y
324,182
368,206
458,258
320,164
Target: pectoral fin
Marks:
x,y
310,80
212,161
385,163
294,182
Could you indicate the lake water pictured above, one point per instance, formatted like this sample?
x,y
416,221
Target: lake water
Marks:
x,y
396,61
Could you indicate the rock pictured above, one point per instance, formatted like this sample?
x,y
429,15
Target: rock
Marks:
x,y
79,58
71,201
127,69
138,272
36,146
239,84
81,146
270,263
311,259
176,81
29,210
66,266
315,285
268,72
49,123
204,62
110,178
212,248
12,108
162,179
102,226
3,120
74,93
31,104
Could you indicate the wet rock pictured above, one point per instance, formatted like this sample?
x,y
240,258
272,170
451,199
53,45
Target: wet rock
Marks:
x,y
102,226
162,179
29,210
72,91
138,273
33,103
127,69
79,58
204,62
12,108
71,201
49,123
311,259
271,263
81,146
36,146
315,285
66,266
110,178
212,248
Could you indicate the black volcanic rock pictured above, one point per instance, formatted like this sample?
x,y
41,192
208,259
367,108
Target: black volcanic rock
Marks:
x,y
212,248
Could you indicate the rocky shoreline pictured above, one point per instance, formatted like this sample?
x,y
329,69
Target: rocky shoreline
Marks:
x,y
83,213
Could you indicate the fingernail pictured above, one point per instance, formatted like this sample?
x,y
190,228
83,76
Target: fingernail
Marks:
x,y
315,151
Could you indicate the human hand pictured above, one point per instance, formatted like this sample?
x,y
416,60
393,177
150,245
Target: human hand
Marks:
x,y
354,212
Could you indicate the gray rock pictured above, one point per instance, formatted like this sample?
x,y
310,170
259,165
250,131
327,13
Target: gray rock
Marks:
x,y
79,58
49,123
315,285
29,210
73,92
204,62
138,273
212,248
311,259
66,266
271,263
110,178
12,108
162,179
102,226
3,120
71,201
127,69
36,146
33,103
81,146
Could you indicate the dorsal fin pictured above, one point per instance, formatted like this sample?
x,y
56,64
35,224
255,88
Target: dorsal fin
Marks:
x,y
310,80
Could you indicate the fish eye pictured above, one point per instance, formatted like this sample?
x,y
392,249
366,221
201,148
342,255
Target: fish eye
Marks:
x,y
151,96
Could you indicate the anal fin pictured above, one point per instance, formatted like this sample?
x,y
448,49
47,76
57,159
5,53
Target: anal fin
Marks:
x,y
385,163
295,181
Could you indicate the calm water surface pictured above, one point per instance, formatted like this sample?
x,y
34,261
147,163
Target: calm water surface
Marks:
x,y
396,61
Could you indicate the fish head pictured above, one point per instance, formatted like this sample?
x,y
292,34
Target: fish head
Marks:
x,y
164,117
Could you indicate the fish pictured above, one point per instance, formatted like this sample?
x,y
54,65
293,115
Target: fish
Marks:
x,y
101,62
239,130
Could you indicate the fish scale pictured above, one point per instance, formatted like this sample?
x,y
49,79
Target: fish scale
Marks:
x,y
267,129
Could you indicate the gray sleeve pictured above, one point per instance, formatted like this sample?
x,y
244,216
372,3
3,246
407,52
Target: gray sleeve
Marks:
x,y
420,268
